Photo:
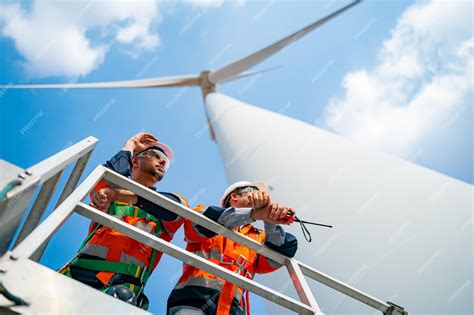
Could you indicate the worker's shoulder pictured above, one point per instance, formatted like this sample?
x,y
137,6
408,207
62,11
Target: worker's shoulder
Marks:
x,y
176,197
199,207
252,228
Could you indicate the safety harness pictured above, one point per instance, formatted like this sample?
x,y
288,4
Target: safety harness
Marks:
x,y
141,273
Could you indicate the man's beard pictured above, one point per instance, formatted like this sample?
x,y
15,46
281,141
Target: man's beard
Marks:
x,y
151,170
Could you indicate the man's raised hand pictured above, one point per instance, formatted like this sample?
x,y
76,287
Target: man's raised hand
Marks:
x,y
139,142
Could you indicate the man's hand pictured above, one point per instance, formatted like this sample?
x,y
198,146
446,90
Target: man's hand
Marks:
x,y
258,199
278,213
272,213
103,198
139,142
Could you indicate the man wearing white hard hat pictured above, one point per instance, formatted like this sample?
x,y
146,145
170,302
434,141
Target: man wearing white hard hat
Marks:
x,y
198,292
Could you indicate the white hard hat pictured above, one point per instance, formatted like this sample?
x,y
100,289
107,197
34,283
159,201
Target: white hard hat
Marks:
x,y
260,185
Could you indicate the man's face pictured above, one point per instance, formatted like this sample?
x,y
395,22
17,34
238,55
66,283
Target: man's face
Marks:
x,y
151,166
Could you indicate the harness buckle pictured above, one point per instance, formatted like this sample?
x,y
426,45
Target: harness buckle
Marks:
x,y
241,261
231,262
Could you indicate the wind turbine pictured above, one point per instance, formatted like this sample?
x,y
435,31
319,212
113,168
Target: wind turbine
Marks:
x,y
207,80
399,228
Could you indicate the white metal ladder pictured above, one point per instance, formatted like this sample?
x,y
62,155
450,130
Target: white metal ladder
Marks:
x,y
32,241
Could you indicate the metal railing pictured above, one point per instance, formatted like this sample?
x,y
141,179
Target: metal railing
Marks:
x,y
47,174
30,246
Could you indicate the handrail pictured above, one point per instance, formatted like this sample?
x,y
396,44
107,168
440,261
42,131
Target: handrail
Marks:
x,y
46,173
308,304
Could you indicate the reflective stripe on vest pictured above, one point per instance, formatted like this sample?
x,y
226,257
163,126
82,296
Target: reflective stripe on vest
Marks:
x,y
225,253
102,252
212,254
115,209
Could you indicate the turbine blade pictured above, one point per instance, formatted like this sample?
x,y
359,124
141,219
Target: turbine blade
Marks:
x,y
185,80
251,60
249,73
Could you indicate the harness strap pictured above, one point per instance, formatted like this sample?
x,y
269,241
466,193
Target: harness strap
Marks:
x,y
65,269
108,266
124,210
111,266
225,298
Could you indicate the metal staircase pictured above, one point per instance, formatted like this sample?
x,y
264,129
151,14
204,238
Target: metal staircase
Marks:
x,y
29,287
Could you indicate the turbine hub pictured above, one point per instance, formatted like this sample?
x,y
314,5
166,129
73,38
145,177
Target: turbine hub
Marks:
x,y
206,85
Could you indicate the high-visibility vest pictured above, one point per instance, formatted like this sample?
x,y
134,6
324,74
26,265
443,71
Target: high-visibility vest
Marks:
x,y
121,253
117,247
227,254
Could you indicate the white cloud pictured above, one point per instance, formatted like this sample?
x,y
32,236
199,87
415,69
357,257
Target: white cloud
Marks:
x,y
53,37
423,76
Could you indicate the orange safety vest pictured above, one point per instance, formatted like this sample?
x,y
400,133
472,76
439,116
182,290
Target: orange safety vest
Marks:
x,y
117,247
228,254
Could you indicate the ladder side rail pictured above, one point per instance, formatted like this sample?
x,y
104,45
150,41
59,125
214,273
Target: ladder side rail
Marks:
x,y
50,172
46,173
302,288
74,177
13,207
32,243
67,190
58,162
39,206
343,288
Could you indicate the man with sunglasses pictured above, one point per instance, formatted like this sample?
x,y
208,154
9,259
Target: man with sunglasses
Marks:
x,y
198,292
109,260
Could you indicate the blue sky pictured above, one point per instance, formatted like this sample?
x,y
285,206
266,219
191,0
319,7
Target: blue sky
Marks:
x,y
393,76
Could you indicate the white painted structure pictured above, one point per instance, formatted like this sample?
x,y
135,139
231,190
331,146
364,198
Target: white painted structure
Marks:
x,y
401,232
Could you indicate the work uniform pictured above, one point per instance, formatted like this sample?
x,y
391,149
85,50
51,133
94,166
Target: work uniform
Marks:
x,y
108,258
199,292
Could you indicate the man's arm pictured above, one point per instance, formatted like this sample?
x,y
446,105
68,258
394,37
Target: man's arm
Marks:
x,y
233,217
259,208
120,163
158,211
288,247
275,237
103,198
283,242
228,217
